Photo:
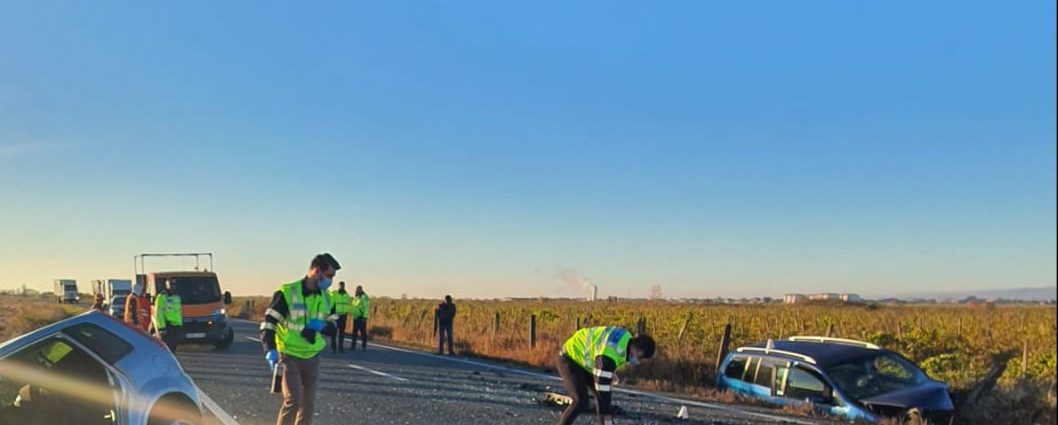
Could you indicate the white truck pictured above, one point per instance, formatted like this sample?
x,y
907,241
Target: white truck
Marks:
x,y
66,291
114,292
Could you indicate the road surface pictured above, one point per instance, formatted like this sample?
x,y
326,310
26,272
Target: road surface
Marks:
x,y
389,385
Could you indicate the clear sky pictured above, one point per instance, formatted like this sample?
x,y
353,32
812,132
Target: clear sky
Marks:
x,y
482,148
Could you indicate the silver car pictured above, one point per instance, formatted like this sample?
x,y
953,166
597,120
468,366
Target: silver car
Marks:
x,y
93,369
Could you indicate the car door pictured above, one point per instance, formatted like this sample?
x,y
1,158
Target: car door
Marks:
x,y
52,379
802,386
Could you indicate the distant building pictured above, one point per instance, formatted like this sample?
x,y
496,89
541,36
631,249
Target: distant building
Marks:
x,y
794,298
824,297
851,298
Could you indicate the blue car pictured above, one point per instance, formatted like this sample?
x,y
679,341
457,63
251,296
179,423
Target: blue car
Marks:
x,y
842,378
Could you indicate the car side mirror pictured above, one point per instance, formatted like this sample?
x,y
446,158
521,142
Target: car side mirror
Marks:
x,y
227,298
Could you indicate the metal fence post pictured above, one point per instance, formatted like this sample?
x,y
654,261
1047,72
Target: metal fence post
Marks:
x,y
725,343
532,331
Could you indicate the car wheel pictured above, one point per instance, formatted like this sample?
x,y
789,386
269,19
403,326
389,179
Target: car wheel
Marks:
x,y
229,338
175,410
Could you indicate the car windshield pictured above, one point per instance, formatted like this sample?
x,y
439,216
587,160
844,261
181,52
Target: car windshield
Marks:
x,y
118,301
196,290
866,378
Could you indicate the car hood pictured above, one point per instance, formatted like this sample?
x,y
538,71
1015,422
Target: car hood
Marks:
x,y
931,396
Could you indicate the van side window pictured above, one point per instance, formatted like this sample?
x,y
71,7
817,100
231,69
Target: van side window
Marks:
x,y
802,384
751,369
736,367
765,373
782,373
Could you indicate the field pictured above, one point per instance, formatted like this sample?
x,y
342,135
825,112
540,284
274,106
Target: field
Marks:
x,y
956,344
19,314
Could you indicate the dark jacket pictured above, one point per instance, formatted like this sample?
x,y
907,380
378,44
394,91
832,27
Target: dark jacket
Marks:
x,y
445,312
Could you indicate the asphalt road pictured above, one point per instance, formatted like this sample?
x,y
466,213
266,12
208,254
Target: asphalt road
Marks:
x,y
388,385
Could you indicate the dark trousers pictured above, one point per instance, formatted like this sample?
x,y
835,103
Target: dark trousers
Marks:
x,y
444,333
338,339
171,336
360,328
299,390
577,382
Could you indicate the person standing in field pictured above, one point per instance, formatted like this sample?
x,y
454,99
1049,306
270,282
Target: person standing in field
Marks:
x,y
589,360
291,335
138,308
341,306
361,308
445,315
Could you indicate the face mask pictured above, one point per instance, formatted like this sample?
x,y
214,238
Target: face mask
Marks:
x,y
324,283
633,360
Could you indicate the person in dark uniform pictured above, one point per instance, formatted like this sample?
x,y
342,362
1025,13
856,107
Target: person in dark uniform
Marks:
x,y
445,313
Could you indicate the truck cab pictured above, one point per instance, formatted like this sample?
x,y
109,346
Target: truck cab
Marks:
x,y
66,291
203,304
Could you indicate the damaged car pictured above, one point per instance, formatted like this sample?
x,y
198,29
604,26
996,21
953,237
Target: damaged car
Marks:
x,y
93,369
842,378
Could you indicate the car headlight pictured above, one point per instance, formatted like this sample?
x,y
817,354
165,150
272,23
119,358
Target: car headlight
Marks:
x,y
219,312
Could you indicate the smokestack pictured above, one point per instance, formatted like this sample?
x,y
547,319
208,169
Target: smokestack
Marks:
x,y
570,276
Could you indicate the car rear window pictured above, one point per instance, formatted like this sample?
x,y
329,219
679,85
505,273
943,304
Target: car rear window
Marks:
x,y
104,343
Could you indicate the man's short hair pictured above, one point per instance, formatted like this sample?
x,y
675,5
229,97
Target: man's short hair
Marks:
x,y
448,298
324,262
645,343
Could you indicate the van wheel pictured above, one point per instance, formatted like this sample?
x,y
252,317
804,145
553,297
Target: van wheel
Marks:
x,y
226,342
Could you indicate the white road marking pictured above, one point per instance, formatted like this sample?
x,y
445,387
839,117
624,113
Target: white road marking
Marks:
x,y
375,372
213,407
357,367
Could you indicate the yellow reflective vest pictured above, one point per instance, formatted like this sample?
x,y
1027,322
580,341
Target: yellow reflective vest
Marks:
x,y
342,302
361,306
167,311
301,309
588,343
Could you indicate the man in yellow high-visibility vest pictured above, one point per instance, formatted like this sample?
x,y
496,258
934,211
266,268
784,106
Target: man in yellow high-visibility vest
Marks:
x,y
588,362
291,334
168,316
361,305
341,304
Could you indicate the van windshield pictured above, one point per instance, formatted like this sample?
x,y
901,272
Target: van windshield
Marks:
x,y
874,376
197,289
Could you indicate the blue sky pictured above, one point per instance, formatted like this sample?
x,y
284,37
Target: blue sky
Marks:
x,y
479,148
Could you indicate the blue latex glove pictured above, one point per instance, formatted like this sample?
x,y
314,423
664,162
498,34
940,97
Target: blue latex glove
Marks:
x,y
316,325
272,357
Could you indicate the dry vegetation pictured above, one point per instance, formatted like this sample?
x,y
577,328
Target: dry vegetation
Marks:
x,y
19,314
956,344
